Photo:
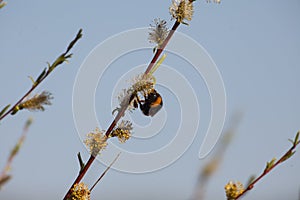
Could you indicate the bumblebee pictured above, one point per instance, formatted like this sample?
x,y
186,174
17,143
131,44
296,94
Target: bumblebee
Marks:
x,y
151,104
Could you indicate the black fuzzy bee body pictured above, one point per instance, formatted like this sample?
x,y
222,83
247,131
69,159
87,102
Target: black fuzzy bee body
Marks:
x,y
151,104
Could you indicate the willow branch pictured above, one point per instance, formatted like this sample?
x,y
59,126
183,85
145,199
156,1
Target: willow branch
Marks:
x,y
270,166
121,112
44,74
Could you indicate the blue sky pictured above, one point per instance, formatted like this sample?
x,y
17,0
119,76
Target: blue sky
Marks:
x,y
255,45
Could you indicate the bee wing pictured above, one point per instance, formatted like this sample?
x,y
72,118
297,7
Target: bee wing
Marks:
x,y
154,109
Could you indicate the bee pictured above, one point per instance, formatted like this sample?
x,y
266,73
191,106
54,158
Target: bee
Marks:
x,y
151,104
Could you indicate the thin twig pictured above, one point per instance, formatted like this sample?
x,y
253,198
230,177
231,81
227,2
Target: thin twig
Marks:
x,y
287,155
45,73
103,174
3,176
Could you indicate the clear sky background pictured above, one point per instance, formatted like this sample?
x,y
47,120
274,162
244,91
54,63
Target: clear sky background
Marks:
x,y
255,45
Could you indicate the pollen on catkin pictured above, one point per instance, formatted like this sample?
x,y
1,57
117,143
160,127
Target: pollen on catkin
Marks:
x,y
96,141
233,190
37,102
122,131
182,10
158,32
143,83
80,192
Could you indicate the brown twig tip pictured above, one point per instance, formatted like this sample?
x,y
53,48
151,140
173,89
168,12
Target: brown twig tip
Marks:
x,y
78,36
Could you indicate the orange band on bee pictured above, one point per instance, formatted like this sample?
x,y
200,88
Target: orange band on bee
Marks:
x,y
157,102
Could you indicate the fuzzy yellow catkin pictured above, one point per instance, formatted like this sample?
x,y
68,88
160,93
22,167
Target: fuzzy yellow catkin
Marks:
x,y
123,131
233,190
96,141
158,32
80,192
37,102
182,10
